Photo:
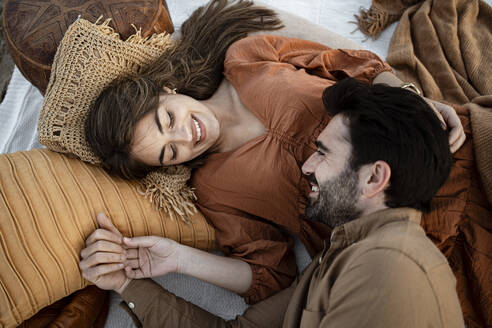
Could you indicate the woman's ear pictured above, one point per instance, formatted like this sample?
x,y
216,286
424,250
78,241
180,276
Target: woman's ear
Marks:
x,y
169,91
375,178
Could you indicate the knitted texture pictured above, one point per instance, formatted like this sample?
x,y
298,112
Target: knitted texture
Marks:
x,y
481,120
89,57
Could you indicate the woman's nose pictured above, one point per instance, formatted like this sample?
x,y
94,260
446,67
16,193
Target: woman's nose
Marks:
x,y
182,134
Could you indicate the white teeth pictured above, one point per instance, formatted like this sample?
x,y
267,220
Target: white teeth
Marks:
x,y
315,188
198,130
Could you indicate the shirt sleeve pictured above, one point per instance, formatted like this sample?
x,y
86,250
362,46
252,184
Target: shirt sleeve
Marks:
x,y
267,249
382,288
258,53
155,307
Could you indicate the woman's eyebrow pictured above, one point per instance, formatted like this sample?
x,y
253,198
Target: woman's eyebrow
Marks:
x,y
157,120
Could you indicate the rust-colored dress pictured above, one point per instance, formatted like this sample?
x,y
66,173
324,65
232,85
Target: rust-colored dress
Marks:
x,y
256,193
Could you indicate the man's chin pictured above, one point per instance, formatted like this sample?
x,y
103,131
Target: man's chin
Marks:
x,y
313,212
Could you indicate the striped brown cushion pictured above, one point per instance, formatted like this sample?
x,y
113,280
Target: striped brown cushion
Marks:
x,y
48,205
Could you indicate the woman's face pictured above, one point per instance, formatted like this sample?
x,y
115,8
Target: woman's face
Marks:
x,y
180,130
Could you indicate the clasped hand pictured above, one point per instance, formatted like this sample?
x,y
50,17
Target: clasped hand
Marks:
x,y
110,260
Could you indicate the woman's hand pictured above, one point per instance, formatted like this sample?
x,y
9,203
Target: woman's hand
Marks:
x,y
103,258
450,119
445,113
151,256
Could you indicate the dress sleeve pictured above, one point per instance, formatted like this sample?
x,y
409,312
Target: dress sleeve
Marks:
x,y
256,53
267,249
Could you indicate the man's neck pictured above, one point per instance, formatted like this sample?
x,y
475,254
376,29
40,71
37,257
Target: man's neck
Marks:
x,y
373,208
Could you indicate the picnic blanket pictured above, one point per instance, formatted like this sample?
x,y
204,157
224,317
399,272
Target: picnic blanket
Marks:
x,y
444,47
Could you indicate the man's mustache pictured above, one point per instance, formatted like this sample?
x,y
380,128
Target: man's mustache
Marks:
x,y
312,179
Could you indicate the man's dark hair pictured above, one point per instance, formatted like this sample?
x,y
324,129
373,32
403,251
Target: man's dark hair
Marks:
x,y
396,126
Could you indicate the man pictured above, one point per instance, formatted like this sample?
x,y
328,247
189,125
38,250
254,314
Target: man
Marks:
x,y
378,163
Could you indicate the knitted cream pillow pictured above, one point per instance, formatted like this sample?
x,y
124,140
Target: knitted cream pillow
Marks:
x,y
89,57
48,206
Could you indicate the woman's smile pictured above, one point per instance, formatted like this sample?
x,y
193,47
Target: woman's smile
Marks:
x,y
200,131
179,130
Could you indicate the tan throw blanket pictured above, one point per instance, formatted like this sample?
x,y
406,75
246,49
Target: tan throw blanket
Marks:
x,y
444,47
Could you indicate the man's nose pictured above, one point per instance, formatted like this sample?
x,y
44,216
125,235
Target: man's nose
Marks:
x,y
308,166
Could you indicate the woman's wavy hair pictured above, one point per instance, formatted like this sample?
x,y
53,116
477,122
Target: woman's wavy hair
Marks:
x,y
194,68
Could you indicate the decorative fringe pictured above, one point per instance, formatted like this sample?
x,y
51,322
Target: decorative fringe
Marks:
x,y
169,200
159,40
170,192
372,22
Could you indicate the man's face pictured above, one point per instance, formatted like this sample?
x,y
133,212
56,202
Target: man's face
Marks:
x,y
335,186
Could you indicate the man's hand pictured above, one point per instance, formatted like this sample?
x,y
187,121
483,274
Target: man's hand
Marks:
x,y
103,257
450,119
151,256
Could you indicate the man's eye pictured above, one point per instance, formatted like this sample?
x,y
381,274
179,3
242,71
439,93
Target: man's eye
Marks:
x,y
171,119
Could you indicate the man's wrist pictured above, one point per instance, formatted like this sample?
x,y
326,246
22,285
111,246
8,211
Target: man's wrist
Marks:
x,y
122,287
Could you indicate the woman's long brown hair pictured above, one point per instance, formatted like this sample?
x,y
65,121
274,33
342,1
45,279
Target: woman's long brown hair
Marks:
x,y
194,68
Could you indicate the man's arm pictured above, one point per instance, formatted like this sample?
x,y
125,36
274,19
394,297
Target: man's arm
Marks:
x,y
156,307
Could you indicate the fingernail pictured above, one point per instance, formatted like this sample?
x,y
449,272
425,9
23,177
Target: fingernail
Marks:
x,y
123,257
121,265
126,239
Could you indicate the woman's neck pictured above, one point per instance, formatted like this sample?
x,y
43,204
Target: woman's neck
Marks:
x,y
237,124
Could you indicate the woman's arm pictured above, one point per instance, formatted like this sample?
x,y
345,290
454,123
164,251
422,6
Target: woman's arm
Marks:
x,y
152,256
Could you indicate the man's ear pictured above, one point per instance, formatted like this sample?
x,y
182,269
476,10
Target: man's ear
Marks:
x,y
375,178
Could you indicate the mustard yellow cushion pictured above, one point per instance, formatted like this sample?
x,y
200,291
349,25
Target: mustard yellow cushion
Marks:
x,y
48,205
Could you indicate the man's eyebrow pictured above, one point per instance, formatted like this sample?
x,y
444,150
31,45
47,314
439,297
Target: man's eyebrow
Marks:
x,y
157,121
321,146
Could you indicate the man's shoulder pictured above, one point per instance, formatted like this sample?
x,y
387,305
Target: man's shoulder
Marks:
x,y
406,239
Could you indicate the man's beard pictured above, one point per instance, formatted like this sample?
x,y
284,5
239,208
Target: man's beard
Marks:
x,y
337,199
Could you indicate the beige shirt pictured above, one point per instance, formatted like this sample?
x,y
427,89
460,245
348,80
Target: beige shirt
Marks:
x,y
378,271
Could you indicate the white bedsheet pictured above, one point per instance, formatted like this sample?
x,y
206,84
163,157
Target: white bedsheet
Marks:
x,y
20,108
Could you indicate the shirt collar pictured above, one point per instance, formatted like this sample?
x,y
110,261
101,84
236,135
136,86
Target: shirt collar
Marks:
x,y
360,228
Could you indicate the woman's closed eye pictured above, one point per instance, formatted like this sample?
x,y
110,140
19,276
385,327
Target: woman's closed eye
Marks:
x,y
171,119
175,153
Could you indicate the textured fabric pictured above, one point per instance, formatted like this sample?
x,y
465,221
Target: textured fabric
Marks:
x,y
85,308
89,57
255,193
481,126
460,224
48,206
379,271
458,35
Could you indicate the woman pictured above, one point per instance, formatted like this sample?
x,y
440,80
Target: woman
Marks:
x,y
250,127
